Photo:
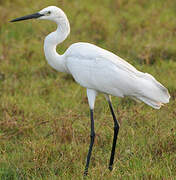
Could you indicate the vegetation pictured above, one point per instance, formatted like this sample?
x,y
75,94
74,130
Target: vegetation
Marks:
x,y
44,116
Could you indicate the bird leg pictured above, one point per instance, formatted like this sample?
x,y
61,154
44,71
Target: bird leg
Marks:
x,y
92,137
116,130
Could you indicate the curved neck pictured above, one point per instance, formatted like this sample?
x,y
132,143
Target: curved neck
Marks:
x,y
52,40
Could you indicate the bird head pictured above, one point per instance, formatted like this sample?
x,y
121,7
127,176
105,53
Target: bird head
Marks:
x,y
51,13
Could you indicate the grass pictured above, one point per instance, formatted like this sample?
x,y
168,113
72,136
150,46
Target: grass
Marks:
x,y
44,116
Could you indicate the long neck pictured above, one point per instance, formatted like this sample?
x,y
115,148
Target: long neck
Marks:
x,y
52,40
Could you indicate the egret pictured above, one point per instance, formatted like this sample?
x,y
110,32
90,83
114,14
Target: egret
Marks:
x,y
99,71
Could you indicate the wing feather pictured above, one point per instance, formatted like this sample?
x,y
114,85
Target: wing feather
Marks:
x,y
96,68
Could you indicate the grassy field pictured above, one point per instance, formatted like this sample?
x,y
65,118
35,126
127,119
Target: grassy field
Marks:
x,y
44,115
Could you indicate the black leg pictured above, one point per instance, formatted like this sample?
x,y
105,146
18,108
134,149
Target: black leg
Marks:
x,y
116,130
92,136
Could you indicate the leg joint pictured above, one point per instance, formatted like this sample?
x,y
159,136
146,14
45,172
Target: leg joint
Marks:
x,y
116,127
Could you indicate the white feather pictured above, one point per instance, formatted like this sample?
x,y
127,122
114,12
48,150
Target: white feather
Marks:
x,y
98,69
103,71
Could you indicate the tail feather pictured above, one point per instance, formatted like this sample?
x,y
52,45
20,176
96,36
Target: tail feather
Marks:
x,y
152,92
150,102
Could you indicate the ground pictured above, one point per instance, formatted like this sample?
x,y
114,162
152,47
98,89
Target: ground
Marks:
x,y
44,115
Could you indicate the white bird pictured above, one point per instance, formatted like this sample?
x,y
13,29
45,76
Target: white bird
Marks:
x,y
98,70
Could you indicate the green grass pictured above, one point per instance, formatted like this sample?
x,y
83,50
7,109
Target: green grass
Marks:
x,y
44,115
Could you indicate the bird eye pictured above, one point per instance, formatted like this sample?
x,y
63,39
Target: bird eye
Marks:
x,y
49,12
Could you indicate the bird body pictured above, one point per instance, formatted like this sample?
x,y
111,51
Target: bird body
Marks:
x,y
98,70
95,68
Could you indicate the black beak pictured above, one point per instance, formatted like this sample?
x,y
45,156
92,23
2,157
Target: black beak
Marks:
x,y
31,16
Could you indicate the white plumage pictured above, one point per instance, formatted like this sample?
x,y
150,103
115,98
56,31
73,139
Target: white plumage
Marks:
x,y
101,70
98,70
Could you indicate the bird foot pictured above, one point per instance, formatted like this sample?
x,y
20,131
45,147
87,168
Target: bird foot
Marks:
x,y
110,168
